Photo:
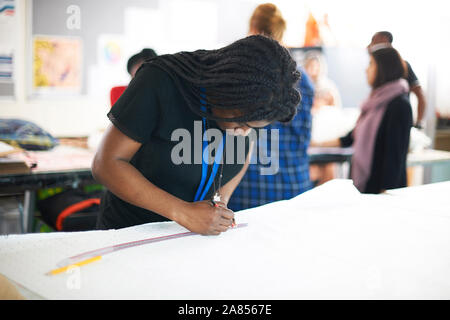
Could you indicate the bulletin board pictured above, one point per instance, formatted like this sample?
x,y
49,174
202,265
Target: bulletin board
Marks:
x,y
8,28
64,40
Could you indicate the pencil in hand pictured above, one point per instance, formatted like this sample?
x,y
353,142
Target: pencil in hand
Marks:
x,y
215,204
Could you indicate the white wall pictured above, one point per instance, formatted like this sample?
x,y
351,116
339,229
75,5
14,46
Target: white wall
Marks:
x,y
421,32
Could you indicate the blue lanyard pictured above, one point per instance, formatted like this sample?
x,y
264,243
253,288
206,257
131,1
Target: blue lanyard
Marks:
x,y
201,192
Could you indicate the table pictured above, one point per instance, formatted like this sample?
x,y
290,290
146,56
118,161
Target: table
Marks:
x,y
351,246
427,157
320,155
340,156
62,166
434,165
70,167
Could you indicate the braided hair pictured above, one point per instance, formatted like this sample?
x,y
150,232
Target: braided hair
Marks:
x,y
254,75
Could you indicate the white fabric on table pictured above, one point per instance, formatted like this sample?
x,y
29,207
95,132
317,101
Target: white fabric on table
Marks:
x,y
329,243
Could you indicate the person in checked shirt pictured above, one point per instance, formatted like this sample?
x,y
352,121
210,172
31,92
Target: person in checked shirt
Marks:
x,y
292,177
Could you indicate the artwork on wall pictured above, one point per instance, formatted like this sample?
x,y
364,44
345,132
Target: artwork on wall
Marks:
x,y
6,66
57,65
110,50
7,9
8,27
110,69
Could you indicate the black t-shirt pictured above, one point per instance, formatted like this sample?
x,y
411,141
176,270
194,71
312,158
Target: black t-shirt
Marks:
x,y
391,147
411,76
149,111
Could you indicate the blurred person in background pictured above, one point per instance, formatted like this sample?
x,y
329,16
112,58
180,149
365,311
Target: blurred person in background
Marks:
x,y
326,91
133,64
326,96
136,60
385,37
380,138
292,177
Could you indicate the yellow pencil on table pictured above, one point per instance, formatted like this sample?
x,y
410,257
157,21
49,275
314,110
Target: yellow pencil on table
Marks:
x,y
78,264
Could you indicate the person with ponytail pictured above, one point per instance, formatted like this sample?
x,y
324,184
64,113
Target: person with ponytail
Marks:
x,y
247,84
292,177
380,138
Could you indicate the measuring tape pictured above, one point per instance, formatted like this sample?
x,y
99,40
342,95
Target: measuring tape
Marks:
x,y
106,250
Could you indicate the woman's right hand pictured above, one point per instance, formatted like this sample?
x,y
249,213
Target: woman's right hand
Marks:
x,y
204,218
